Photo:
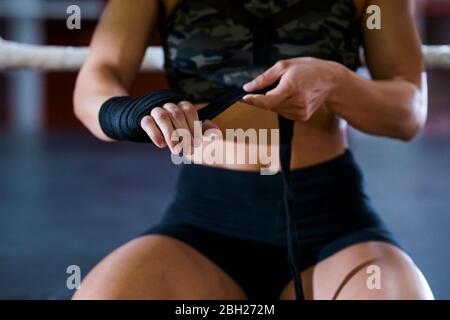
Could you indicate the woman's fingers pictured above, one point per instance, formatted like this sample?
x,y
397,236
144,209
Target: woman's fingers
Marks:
x,y
180,123
191,117
210,130
164,122
266,101
173,121
272,98
269,77
150,127
208,124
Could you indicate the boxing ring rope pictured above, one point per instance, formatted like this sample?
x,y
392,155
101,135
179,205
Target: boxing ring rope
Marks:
x,y
14,55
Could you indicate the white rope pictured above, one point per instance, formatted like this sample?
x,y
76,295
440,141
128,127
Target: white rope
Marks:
x,y
437,56
15,55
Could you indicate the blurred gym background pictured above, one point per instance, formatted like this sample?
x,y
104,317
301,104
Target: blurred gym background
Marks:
x,y
68,199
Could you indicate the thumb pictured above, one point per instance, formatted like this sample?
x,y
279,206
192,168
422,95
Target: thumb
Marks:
x,y
269,77
271,99
211,131
208,124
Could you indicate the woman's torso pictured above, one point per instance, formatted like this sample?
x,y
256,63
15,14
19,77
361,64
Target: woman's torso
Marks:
x,y
317,140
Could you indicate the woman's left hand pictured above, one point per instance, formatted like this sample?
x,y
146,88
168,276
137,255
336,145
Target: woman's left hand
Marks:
x,y
305,84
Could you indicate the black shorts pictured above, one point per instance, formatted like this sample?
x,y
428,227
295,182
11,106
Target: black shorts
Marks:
x,y
237,219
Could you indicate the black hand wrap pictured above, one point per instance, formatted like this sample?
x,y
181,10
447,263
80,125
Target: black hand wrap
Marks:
x,y
120,117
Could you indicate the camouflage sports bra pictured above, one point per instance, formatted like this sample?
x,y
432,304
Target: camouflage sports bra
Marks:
x,y
212,45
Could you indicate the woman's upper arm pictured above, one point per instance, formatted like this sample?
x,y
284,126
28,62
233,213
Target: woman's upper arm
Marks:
x,y
395,51
120,39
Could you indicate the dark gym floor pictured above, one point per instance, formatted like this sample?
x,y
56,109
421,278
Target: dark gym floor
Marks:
x,y
68,199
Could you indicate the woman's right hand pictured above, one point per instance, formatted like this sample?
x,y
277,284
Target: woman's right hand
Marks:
x,y
164,125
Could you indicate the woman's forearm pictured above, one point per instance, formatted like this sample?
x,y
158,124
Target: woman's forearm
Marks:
x,y
95,84
393,108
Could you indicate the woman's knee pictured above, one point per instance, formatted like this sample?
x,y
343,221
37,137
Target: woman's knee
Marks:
x,y
390,275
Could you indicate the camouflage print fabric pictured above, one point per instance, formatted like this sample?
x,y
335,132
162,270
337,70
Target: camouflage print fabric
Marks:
x,y
207,51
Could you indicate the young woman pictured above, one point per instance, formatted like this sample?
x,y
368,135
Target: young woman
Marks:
x,y
224,236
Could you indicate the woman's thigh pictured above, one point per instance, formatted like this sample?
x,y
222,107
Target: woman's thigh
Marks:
x,y
369,270
157,267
